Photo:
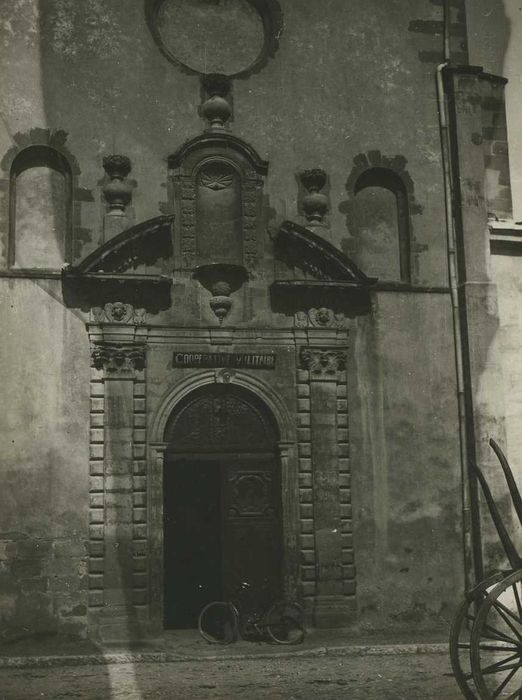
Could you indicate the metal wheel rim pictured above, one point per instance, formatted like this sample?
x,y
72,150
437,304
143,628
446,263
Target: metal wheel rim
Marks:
x,y
460,649
234,617
289,612
487,637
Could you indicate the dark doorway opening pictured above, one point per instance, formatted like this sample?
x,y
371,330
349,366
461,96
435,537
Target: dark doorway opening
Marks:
x,y
222,503
192,539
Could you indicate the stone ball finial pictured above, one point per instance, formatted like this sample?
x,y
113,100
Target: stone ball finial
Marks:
x,y
216,108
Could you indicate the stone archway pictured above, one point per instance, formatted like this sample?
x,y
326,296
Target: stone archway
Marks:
x,y
221,502
276,454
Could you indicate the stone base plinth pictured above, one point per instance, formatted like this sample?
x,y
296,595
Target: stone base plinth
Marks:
x,y
333,611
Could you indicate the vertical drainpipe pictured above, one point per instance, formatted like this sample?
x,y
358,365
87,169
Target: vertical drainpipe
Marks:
x,y
471,514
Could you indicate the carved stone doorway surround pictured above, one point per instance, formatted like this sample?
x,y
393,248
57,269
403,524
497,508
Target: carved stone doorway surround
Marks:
x,y
126,483
118,562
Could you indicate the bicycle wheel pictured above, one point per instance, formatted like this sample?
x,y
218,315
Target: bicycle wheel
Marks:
x,y
283,623
218,622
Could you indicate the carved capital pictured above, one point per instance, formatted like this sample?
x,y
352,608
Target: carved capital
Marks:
x,y
118,359
323,363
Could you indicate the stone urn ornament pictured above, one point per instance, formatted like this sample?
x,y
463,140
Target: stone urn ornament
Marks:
x,y
221,279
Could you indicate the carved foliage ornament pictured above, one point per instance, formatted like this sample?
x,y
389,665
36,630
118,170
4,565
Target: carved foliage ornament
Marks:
x,y
320,318
323,363
118,358
251,494
118,312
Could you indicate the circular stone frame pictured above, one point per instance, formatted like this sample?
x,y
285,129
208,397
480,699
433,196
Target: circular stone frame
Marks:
x,y
271,16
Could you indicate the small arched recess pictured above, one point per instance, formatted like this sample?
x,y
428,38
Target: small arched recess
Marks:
x,y
380,224
40,209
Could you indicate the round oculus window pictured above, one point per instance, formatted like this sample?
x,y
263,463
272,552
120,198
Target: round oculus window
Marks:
x,y
229,37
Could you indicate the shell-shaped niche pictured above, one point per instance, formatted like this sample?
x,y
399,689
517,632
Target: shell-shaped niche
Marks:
x,y
218,213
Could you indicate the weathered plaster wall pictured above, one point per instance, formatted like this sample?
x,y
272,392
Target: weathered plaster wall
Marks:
x,y
45,434
333,90
405,464
505,354
338,87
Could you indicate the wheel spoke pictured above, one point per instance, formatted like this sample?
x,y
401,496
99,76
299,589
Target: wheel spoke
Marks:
x,y
517,599
500,606
505,682
492,647
514,695
497,666
497,634
500,609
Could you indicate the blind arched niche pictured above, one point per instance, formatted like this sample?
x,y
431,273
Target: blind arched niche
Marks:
x,y
380,225
40,209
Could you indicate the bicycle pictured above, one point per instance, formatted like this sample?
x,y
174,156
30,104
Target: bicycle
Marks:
x,y
223,622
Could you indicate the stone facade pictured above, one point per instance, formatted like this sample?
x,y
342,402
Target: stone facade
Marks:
x,y
274,226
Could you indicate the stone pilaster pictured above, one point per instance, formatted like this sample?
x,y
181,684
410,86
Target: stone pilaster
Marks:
x,y
325,369
121,367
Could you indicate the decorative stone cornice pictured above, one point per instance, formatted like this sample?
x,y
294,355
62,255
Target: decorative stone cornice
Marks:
x,y
323,363
118,359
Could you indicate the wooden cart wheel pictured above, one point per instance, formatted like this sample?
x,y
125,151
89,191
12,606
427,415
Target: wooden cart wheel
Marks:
x,y
460,633
496,642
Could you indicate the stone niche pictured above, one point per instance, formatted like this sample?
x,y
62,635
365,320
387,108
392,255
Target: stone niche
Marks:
x,y
216,190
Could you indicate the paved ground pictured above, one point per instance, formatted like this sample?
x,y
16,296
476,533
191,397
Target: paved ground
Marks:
x,y
368,677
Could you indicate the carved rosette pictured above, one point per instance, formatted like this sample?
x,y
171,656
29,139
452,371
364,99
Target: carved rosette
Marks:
x,y
323,363
118,359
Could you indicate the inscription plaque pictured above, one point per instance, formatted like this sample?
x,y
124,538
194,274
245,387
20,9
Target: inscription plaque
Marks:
x,y
237,360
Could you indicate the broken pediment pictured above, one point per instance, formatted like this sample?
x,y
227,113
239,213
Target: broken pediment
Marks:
x,y
133,267
311,273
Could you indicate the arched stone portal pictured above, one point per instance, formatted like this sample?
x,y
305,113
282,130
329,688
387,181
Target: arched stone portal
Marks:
x,y
222,506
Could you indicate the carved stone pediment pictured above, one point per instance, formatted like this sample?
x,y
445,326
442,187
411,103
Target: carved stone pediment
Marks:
x,y
131,269
140,246
308,256
314,281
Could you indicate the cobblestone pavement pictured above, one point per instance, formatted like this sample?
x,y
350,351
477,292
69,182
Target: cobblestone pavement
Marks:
x,y
379,677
